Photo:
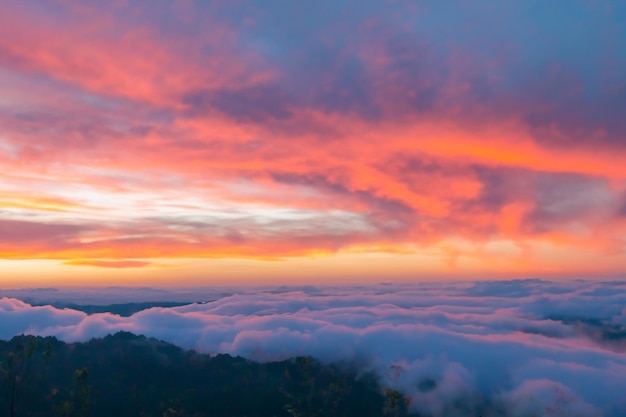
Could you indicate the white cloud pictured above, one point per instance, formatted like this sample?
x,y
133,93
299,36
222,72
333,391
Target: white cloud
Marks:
x,y
451,348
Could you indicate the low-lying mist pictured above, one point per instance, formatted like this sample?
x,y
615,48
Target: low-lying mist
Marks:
x,y
515,348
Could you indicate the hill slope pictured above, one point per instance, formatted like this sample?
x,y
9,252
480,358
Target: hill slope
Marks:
x,y
127,375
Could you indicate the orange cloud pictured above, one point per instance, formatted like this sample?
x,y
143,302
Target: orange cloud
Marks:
x,y
122,137
108,264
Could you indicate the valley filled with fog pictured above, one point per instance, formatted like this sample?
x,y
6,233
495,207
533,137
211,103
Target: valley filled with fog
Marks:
x,y
531,347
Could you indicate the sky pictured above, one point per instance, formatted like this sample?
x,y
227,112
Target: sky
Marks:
x,y
244,142
516,348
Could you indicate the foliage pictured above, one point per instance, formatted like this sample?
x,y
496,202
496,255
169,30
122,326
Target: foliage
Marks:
x,y
127,375
21,370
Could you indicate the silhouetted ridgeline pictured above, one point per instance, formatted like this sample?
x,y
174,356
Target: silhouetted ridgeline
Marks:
x,y
124,310
128,375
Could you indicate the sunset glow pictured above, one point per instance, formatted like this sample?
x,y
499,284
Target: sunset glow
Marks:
x,y
193,143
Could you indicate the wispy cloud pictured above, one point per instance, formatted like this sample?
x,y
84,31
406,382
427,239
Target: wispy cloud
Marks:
x,y
108,264
407,127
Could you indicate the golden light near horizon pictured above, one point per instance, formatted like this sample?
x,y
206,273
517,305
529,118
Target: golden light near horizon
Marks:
x,y
210,151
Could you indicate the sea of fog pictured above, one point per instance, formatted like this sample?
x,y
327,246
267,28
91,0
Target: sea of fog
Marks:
x,y
529,347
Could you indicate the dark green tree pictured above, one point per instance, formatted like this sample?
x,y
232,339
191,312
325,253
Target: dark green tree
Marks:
x,y
79,401
395,404
16,369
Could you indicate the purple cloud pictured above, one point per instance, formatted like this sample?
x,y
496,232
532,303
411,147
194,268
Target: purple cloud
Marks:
x,y
443,346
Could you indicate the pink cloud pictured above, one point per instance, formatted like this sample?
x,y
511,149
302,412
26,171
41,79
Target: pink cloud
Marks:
x,y
440,345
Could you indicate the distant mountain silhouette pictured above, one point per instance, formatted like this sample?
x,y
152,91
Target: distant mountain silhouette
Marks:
x,y
124,310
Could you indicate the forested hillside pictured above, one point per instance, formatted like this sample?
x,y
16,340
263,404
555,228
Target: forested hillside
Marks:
x,y
128,375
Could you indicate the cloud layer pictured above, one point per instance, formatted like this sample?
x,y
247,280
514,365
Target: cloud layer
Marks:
x,y
534,347
132,132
